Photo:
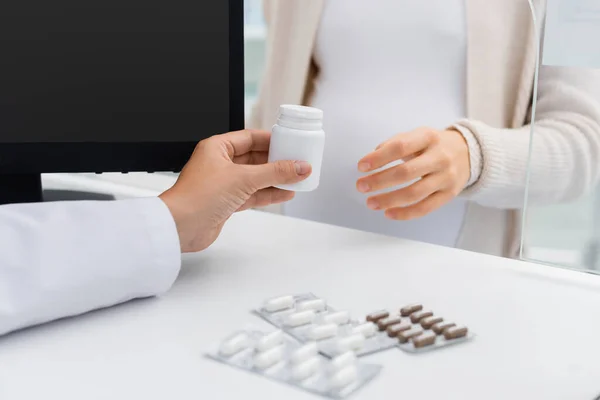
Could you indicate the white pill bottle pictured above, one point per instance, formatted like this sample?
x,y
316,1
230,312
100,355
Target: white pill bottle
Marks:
x,y
299,136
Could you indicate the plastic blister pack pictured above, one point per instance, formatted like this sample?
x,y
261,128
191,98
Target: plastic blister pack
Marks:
x,y
423,340
295,312
309,318
362,338
280,358
415,329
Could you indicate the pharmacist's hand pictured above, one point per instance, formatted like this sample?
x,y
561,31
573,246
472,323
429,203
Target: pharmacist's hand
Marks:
x,y
227,173
438,160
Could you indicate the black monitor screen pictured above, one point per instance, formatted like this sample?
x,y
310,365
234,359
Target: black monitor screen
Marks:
x,y
113,70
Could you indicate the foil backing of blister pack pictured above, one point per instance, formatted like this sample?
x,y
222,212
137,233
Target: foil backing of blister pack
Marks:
x,y
320,383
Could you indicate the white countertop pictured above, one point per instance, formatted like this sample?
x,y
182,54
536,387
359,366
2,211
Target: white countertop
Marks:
x,y
537,327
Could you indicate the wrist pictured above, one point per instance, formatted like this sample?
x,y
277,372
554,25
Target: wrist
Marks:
x,y
180,216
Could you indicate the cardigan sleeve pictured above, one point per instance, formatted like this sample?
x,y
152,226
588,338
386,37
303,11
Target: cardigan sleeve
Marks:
x,y
565,162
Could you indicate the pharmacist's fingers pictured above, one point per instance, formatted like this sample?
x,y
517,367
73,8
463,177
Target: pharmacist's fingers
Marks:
x,y
421,208
252,158
242,142
267,197
399,147
278,173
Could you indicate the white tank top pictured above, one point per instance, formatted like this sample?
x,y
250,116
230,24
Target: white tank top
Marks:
x,y
386,66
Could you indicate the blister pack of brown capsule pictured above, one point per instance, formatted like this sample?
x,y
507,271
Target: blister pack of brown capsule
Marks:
x,y
417,329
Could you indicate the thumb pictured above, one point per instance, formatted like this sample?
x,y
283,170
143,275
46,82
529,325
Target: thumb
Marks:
x,y
280,173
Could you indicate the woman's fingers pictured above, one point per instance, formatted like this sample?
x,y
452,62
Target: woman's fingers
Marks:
x,y
400,147
420,209
436,164
425,164
406,196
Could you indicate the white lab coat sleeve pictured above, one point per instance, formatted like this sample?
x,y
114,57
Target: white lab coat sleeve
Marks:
x,y
67,258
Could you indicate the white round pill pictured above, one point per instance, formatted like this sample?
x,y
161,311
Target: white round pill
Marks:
x,y
344,377
321,332
304,353
343,360
279,303
338,317
269,358
300,318
367,329
352,342
234,345
270,340
316,304
306,369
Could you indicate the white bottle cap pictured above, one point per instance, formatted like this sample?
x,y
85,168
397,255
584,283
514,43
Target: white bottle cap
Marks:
x,y
303,112
300,117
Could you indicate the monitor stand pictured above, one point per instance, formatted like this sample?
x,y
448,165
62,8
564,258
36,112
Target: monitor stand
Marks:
x,y
27,188
20,188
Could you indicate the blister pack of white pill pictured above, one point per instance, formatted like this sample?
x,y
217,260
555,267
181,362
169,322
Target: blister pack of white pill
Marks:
x,y
294,311
415,329
307,318
363,338
275,356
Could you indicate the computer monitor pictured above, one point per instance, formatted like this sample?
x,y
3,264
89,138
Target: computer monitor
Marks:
x,y
113,85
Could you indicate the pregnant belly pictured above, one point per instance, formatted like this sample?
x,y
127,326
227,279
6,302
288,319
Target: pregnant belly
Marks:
x,y
349,137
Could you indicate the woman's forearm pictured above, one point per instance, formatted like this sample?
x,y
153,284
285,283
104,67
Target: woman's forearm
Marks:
x,y
566,145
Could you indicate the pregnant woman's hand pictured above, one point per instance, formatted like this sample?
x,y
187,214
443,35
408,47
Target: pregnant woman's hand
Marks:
x,y
437,160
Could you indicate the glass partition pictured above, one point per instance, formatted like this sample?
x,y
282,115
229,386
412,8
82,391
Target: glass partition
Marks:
x,y
561,224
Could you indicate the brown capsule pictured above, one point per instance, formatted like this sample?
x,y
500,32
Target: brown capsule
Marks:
x,y
439,328
394,330
419,315
428,322
404,337
377,315
409,309
385,323
424,340
456,332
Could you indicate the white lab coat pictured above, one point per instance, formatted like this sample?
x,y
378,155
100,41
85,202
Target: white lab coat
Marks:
x,y
67,258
